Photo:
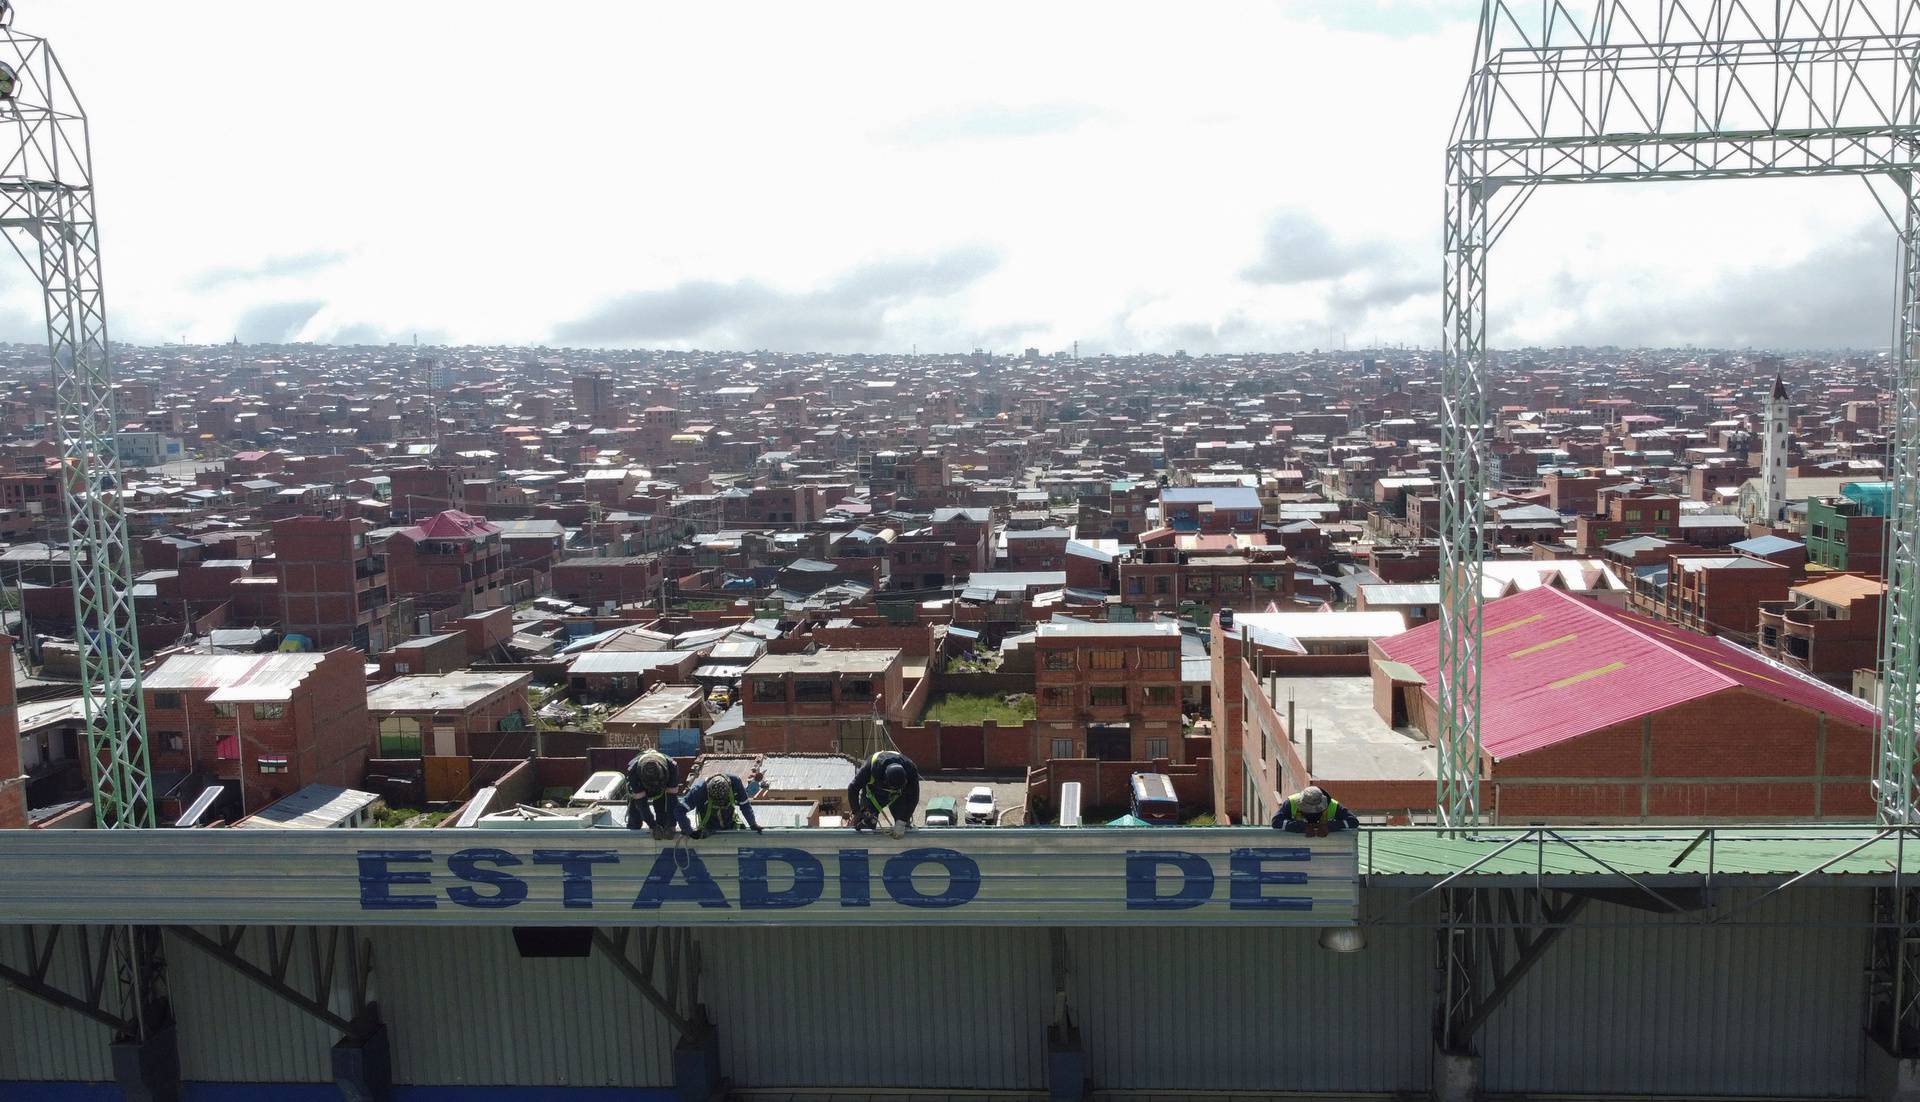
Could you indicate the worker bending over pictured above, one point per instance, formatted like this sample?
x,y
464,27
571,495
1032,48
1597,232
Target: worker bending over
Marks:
x,y
889,782
1311,811
712,805
651,779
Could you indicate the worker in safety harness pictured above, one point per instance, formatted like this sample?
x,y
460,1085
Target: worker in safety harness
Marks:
x,y
651,779
1312,812
712,805
890,782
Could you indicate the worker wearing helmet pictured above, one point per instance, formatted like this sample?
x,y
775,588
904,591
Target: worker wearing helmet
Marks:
x,y
712,805
651,779
1312,812
890,782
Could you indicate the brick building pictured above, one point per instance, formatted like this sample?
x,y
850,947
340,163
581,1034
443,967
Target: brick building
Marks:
x,y
1845,532
617,579
450,560
831,701
1109,691
447,715
1590,715
270,723
1828,628
333,586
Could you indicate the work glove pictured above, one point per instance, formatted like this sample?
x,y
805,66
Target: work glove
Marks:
x,y
899,830
662,834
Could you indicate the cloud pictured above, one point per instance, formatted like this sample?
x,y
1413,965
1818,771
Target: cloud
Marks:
x,y
848,313
989,122
1299,248
275,322
274,267
1839,295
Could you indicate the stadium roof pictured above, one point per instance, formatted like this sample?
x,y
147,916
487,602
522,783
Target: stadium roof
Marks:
x,y
1558,667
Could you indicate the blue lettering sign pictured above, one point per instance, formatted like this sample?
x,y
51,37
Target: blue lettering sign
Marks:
x,y
660,888
809,879
855,888
377,880
1143,880
508,889
1251,876
576,872
963,878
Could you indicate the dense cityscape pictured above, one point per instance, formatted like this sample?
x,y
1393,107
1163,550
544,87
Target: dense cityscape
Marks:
x,y
1021,569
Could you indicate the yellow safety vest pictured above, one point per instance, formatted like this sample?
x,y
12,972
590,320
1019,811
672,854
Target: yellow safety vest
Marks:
x,y
1327,816
707,812
871,798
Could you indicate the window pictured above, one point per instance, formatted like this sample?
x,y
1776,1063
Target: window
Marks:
x,y
770,690
1160,584
1157,747
1107,696
1060,660
813,692
224,711
399,737
166,700
1153,659
1108,660
1058,696
856,690
1062,748
171,740
1159,694
1135,587
271,765
270,711
1201,583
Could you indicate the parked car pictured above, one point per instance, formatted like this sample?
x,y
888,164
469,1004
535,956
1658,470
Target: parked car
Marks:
x,y
1153,798
943,811
980,804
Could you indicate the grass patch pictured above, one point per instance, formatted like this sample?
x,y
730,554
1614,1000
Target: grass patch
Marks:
x,y
972,709
394,818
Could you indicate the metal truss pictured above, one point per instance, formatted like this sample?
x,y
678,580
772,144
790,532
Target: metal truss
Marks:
x,y
1630,90
47,213
1893,970
335,967
676,994
100,958
1481,962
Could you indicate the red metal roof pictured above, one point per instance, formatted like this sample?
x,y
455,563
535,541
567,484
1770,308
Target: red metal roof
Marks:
x,y
450,525
1556,666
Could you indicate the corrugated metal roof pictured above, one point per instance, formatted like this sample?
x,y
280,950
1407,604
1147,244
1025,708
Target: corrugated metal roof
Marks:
x,y
1724,851
442,692
1557,666
625,661
219,671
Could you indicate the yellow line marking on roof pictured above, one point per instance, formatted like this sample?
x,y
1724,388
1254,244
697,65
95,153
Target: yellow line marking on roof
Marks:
x,y
1538,647
1517,623
1589,675
1748,673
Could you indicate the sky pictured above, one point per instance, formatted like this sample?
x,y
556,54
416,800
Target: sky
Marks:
x,y
846,176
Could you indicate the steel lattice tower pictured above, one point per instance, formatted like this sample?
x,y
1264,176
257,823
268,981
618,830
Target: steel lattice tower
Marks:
x,y
46,209
1633,90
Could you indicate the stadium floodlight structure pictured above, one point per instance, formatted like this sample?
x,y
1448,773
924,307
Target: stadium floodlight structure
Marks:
x,y
1648,90
47,215
47,212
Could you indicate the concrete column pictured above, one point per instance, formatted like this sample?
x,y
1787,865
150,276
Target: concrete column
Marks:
x,y
1066,1065
363,1065
696,1064
1456,1076
148,1071
1889,1078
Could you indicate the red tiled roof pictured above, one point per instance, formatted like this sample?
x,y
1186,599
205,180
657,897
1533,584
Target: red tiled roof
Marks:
x,y
450,525
1556,666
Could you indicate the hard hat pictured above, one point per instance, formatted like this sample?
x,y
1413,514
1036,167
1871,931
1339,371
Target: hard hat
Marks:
x,y
653,769
893,776
719,790
9,80
1313,799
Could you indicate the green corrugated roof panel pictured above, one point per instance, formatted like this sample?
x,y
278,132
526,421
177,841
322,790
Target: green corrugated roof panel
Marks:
x,y
1740,851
